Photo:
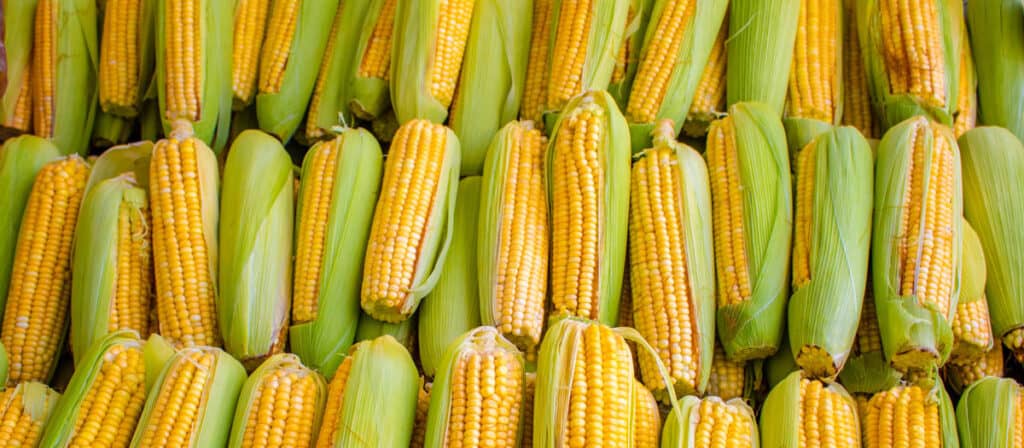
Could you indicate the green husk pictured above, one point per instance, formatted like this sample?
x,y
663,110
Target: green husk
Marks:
x,y
753,329
322,343
934,394
214,23
993,182
453,307
987,411
493,72
680,428
637,18
780,365
329,106
280,113
404,332
145,49
109,130
150,127
485,342
614,194
21,158
211,424
972,289
760,51
248,398
891,107
698,38
130,159
782,410
18,23
75,76
997,43
4,365
368,97
255,242
838,249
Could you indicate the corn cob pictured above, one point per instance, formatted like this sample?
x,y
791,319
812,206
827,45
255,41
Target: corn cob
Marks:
x,y
419,431
752,211
329,99
105,397
626,62
64,72
192,86
815,76
285,80
801,412
646,418
710,422
15,72
398,272
112,286
184,188
760,50
965,115
255,244
250,29
513,249
404,332
537,65
371,400
126,56
997,45
280,405
960,376
453,307
192,398
676,48
477,396
709,97
911,54
4,365
991,413
370,96
584,392
341,181
587,178
857,110
21,158
37,300
907,416
427,56
916,254
972,330
831,248
672,263
25,410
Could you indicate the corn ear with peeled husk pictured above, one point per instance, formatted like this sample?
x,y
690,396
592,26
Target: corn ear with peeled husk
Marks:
x,y
806,412
997,44
708,102
760,51
916,250
404,332
677,45
814,99
626,62
29,408
255,243
710,421
295,37
752,217
126,57
972,330
857,108
831,248
328,106
370,94
340,182
915,77
16,100
453,307
372,398
989,414
490,86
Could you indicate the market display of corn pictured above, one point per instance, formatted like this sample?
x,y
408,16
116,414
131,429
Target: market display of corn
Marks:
x,y
512,223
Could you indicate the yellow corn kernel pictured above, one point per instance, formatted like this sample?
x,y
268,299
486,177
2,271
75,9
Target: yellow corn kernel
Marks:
x,y
598,399
250,26
284,409
971,325
450,44
376,62
120,62
284,15
709,99
963,374
21,119
113,403
728,378
868,337
180,399
134,290
813,87
646,418
726,188
720,424
309,251
913,49
44,67
856,96
313,129
966,114
658,60
827,419
537,66
184,60
902,417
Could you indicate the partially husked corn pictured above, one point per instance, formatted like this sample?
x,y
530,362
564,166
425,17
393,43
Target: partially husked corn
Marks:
x,y
280,405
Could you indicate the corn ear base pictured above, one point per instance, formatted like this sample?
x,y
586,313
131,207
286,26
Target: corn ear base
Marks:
x,y
18,19
680,429
997,43
760,51
781,413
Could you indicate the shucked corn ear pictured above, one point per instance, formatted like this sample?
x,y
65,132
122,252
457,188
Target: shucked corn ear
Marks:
x,y
916,252
637,17
25,410
64,72
535,83
370,71
584,392
477,396
105,397
993,166
249,33
490,86
126,56
453,307
21,158
906,416
329,101
192,400
801,412
35,317
710,422
752,211
708,102
991,413
297,33
972,330
587,180
112,285
961,375
678,43
760,50
255,247
814,97
513,241
183,195
371,401
339,187
15,73
193,85
672,267
857,109
911,54
427,56
831,248
997,44
280,405
412,224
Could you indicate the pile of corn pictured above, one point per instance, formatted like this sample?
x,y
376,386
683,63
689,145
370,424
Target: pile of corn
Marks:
x,y
511,223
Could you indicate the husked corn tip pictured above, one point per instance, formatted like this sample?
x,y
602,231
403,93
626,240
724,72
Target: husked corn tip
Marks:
x,y
376,62
534,92
250,26
902,417
654,72
120,68
856,95
913,50
813,87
